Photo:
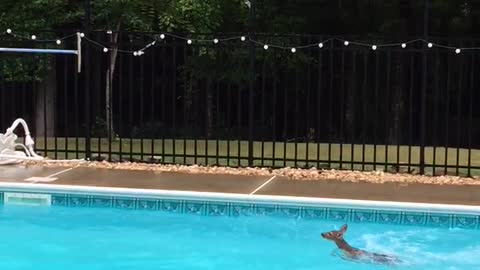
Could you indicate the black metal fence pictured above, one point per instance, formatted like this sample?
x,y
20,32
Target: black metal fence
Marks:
x,y
236,104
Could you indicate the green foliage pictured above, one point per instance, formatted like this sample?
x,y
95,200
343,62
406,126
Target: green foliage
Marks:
x,y
100,129
34,15
31,16
346,17
149,130
196,16
26,17
448,17
162,15
24,69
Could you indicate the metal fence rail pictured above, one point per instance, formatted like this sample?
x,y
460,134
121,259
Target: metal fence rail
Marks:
x,y
219,104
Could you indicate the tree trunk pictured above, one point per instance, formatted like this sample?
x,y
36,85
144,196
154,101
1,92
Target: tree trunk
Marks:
x,y
349,95
109,83
397,100
350,86
108,104
209,110
45,103
188,96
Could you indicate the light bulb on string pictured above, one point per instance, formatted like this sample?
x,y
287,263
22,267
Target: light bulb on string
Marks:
x,y
135,53
346,43
374,47
105,50
293,50
457,51
9,31
162,36
215,41
430,45
320,45
189,41
265,47
404,45
34,37
59,42
242,38
151,44
82,35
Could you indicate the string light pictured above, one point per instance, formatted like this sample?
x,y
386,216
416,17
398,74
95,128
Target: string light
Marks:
x,y
135,53
149,45
34,37
293,49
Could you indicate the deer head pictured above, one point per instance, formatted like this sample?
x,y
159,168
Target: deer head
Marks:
x,y
335,235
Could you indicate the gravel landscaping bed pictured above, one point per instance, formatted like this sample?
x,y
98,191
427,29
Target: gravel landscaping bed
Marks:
x,y
312,174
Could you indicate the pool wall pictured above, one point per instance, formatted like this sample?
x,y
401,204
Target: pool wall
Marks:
x,y
222,204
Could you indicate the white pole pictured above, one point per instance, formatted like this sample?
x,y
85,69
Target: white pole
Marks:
x,y
79,52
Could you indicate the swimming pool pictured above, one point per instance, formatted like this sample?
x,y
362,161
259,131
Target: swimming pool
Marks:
x,y
93,228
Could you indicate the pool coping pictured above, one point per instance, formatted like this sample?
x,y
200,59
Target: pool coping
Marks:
x,y
242,198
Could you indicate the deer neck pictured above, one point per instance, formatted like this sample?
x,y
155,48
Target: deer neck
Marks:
x,y
343,245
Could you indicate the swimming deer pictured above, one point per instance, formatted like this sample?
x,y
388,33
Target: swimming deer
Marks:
x,y
354,253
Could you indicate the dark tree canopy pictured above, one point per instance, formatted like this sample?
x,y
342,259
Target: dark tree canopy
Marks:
x,y
448,18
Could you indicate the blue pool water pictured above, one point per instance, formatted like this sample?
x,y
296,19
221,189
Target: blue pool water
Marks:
x,y
93,238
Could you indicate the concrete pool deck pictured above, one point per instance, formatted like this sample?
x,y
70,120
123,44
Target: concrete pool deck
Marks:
x,y
241,184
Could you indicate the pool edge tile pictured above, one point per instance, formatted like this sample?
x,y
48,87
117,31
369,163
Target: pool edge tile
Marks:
x,y
262,209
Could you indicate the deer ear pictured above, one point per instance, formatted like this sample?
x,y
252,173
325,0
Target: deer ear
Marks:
x,y
344,228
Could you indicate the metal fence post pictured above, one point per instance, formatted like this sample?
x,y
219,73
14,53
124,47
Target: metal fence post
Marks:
x,y
86,81
424,90
251,104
